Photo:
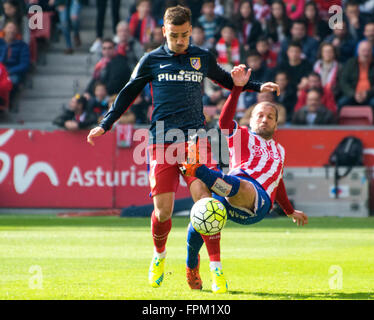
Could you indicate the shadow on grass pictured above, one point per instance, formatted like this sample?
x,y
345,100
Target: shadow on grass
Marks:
x,y
304,296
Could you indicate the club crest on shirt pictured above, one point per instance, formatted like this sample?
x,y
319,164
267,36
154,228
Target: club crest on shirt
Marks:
x,y
259,152
195,63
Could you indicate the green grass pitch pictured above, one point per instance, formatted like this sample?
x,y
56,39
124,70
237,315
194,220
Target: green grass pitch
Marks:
x,y
48,257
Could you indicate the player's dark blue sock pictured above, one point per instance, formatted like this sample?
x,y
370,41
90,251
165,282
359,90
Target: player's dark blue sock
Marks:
x,y
221,184
194,243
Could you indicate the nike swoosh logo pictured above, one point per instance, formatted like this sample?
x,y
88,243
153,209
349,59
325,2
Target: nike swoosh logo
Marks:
x,y
165,65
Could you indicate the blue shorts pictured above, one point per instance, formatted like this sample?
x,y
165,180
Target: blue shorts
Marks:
x,y
245,216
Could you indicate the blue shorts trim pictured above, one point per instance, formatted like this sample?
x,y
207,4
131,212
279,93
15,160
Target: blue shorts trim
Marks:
x,y
244,217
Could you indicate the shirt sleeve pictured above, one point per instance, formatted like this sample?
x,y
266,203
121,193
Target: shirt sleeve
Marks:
x,y
139,78
282,198
226,119
223,78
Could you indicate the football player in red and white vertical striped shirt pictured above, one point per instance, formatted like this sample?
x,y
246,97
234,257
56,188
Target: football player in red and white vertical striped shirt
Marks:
x,y
252,185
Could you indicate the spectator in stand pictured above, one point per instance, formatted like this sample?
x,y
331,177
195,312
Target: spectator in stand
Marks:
x,y
13,10
314,112
76,116
369,33
211,22
100,20
198,38
195,6
287,96
313,81
44,4
279,25
5,87
248,27
356,22
127,46
260,73
141,22
316,27
342,41
140,109
157,36
324,6
268,55
68,13
327,65
367,9
295,8
214,96
295,66
228,48
112,69
262,11
356,79
99,103
14,54
299,33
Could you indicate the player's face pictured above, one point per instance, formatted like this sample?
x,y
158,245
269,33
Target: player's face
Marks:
x,y
178,37
263,121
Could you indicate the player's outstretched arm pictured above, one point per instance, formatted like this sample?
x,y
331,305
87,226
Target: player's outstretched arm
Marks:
x,y
95,132
299,217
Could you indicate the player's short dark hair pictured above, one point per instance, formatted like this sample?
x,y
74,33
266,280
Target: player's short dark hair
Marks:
x,y
177,15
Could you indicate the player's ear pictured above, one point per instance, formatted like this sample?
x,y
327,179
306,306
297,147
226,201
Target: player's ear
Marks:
x,y
164,31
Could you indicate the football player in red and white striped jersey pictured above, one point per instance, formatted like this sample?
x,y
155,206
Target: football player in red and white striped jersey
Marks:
x,y
253,183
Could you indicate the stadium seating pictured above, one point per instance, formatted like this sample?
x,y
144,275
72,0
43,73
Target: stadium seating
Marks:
x,y
356,115
44,33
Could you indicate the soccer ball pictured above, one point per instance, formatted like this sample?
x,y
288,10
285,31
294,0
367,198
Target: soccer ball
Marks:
x,y
208,216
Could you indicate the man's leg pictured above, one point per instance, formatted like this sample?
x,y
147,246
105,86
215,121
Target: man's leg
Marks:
x,y
164,181
194,242
194,239
161,226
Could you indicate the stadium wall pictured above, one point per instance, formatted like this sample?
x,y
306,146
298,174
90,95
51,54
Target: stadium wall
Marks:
x,y
58,169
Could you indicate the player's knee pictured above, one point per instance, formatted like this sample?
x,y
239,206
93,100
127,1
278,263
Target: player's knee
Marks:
x,y
163,214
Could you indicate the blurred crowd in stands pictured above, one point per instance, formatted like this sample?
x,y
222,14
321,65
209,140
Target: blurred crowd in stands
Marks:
x,y
322,59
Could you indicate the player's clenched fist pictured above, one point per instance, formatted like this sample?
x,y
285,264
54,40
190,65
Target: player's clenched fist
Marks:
x,y
95,132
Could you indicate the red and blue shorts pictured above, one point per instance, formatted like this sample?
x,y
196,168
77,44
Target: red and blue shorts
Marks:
x,y
163,166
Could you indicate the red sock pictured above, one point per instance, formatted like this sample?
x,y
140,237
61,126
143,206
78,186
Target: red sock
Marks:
x,y
160,231
213,246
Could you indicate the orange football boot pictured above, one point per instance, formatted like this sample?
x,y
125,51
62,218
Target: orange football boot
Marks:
x,y
193,277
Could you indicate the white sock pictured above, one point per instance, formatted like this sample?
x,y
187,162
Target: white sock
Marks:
x,y
215,264
159,255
